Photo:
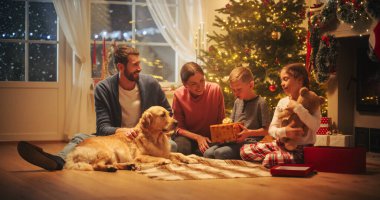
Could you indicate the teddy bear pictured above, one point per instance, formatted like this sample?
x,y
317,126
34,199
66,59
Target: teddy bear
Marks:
x,y
309,100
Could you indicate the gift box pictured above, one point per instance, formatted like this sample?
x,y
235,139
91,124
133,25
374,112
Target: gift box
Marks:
x,y
222,133
297,170
324,127
336,159
338,140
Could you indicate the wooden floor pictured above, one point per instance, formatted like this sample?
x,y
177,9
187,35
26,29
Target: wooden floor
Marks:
x,y
20,180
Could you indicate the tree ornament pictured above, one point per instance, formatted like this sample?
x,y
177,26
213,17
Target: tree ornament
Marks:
x,y
272,88
284,26
228,6
276,35
247,50
277,61
211,48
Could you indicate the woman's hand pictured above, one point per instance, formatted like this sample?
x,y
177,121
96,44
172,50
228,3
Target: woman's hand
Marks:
x,y
129,132
203,143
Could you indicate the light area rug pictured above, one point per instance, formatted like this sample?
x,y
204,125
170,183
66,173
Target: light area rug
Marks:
x,y
205,169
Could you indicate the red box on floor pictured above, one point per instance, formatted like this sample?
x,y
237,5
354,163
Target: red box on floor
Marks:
x,y
297,170
336,159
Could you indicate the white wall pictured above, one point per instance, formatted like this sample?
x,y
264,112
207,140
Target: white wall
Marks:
x,y
34,110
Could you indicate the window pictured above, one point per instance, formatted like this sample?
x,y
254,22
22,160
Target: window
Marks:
x,y
28,41
130,22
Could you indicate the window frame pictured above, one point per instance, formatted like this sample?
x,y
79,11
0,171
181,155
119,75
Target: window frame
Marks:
x,y
133,42
26,41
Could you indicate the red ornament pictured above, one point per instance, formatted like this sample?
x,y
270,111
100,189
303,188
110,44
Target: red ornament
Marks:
x,y
272,88
247,50
211,48
326,40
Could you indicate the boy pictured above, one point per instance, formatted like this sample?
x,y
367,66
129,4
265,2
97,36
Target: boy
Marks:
x,y
249,108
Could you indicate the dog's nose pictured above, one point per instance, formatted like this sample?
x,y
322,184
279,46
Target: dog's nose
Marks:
x,y
175,122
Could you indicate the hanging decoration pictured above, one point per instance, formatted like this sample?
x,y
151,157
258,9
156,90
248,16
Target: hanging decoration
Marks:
x,y
321,52
326,58
272,88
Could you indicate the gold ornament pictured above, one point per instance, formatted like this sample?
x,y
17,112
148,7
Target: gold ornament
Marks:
x,y
276,35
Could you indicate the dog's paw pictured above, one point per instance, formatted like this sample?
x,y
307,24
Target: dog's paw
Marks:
x,y
190,161
164,161
111,169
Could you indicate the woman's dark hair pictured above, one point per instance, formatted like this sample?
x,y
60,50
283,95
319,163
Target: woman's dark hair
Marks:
x,y
298,70
188,70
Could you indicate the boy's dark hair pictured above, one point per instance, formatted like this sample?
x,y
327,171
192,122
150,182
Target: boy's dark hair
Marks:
x,y
298,70
188,70
122,52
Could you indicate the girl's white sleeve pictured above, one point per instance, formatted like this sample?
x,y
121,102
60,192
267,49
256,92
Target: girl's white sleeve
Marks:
x,y
313,122
275,129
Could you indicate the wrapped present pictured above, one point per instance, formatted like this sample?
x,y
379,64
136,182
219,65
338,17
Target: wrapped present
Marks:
x,y
338,140
324,128
222,133
322,140
336,159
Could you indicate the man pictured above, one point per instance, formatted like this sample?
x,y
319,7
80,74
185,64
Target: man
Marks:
x,y
119,102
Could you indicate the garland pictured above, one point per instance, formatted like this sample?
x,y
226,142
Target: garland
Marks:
x,y
351,11
323,56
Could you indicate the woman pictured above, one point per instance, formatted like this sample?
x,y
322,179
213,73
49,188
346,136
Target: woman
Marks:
x,y
196,105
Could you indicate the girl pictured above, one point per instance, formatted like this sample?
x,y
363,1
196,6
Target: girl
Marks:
x,y
196,105
293,78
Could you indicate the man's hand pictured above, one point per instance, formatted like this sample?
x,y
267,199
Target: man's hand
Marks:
x,y
203,143
129,132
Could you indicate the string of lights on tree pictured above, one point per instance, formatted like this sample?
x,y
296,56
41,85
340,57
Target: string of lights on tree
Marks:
x,y
263,35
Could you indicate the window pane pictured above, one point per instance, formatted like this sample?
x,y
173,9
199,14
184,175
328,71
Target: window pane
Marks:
x,y
43,62
42,21
158,61
12,15
146,29
12,59
113,20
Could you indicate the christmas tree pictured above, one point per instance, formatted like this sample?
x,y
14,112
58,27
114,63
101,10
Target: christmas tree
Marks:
x,y
263,35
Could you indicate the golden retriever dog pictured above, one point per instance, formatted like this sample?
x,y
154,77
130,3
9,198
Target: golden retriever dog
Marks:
x,y
117,151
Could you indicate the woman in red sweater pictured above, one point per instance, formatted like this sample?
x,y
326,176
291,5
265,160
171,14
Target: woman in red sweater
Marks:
x,y
196,105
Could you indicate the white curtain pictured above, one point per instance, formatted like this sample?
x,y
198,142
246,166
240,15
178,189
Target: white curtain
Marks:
x,y
74,20
179,35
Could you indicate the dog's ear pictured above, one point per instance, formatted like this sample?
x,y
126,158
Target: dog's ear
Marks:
x,y
146,120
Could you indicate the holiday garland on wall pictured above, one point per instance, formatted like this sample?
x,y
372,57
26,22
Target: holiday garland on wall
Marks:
x,y
358,13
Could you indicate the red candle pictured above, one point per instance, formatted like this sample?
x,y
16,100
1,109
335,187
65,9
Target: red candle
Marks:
x,y
94,54
104,48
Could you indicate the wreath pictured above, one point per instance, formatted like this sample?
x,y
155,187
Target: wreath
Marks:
x,y
326,58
